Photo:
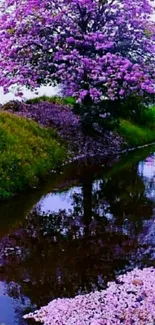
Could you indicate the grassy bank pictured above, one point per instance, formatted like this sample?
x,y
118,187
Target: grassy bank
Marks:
x,y
137,129
27,153
136,132
140,132
136,135
53,99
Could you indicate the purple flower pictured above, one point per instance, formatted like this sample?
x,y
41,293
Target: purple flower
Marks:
x,y
106,47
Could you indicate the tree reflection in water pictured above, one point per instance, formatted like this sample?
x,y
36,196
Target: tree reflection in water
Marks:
x,y
77,250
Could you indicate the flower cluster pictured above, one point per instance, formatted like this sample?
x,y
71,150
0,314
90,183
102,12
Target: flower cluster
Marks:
x,y
93,48
129,300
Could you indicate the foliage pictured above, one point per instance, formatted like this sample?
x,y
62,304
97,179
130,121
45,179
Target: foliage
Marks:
x,y
54,100
96,118
134,108
95,49
136,135
146,117
28,152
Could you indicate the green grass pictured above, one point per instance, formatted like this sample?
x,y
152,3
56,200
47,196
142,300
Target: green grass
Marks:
x,y
149,117
136,135
146,117
27,153
54,99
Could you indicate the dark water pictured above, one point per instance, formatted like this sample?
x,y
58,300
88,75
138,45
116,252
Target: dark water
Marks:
x,y
86,225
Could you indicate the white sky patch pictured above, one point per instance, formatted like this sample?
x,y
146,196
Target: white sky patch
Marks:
x,y
43,90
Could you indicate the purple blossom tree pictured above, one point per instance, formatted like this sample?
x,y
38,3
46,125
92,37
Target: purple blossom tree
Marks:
x,y
97,49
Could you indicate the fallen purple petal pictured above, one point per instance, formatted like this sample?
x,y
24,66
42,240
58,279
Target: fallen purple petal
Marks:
x,y
68,126
129,300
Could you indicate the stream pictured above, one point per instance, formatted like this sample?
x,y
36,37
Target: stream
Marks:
x,y
77,231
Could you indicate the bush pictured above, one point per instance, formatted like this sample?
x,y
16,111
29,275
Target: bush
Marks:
x,y
147,117
27,152
98,118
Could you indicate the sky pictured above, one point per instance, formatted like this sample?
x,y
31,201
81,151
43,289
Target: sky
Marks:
x,y
44,90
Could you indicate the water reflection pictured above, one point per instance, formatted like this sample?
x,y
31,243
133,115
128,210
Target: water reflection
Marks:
x,y
79,237
146,169
55,201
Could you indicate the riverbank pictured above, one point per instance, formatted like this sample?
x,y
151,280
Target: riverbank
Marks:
x,y
129,300
58,113
38,138
64,129
67,124
28,153
136,135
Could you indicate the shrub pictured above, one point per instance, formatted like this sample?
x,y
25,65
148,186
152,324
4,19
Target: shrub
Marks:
x,y
27,152
147,117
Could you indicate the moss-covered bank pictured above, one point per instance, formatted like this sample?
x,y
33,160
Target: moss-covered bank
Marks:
x,y
27,153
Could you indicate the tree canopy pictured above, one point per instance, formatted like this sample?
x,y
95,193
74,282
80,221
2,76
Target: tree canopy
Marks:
x,y
94,48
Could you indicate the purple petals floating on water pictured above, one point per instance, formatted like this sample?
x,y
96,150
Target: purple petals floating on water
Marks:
x,y
129,301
